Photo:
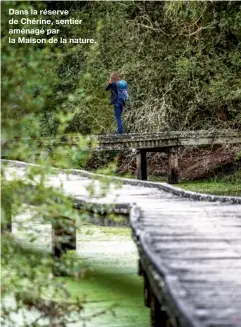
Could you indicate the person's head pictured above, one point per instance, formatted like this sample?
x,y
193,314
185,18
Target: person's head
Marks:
x,y
115,77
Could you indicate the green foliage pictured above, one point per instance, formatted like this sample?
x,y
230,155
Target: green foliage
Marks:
x,y
182,63
221,184
225,186
181,60
29,78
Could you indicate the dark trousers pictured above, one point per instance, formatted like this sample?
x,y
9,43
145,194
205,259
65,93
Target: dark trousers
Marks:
x,y
118,111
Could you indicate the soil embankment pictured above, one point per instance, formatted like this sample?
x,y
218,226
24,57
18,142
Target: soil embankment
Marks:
x,y
195,163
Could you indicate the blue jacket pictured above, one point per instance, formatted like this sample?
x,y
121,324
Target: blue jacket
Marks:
x,y
114,92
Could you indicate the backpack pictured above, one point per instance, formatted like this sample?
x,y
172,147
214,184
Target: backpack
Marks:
x,y
122,89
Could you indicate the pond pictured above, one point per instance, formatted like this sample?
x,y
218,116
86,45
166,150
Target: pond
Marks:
x,y
111,287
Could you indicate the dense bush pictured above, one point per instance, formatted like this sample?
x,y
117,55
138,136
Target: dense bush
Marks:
x,y
181,60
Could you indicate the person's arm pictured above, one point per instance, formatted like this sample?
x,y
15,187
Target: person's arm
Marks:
x,y
108,87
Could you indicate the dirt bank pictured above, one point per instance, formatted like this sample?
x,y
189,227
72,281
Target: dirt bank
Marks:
x,y
194,163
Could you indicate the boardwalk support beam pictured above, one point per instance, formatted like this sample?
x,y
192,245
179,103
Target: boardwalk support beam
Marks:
x,y
158,317
7,214
63,239
173,171
141,165
147,291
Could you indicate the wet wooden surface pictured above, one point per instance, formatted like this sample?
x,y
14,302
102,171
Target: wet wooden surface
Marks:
x,y
190,249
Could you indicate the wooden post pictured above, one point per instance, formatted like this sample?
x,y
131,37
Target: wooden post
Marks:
x,y
147,291
63,239
63,236
173,171
158,317
140,270
141,165
7,215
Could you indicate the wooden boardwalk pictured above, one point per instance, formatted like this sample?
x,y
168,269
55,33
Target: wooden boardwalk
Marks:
x,y
162,140
167,141
190,250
